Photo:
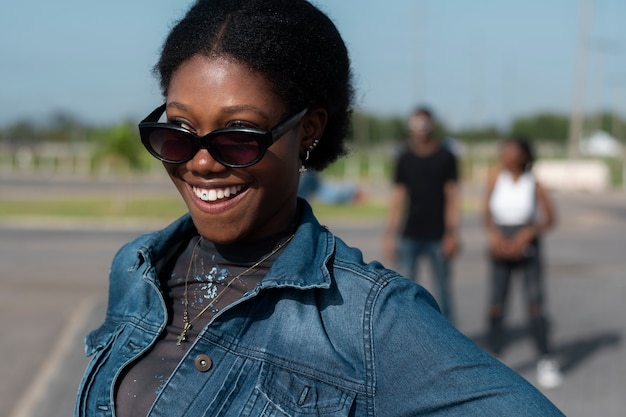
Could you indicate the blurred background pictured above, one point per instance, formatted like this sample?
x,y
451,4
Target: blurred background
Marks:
x,y
77,78
76,183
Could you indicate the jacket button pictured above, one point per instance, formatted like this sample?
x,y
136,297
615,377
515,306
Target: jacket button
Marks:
x,y
203,363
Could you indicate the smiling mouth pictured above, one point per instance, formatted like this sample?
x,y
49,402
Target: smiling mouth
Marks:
x,y
214,194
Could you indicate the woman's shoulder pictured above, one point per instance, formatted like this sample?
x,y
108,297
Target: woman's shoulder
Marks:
x,y
374,277
529,176
494,175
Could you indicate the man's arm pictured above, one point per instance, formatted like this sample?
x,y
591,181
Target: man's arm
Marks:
x,y
397,204
451,218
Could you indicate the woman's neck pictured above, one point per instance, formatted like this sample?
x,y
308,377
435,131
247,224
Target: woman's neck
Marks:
x,y
515,173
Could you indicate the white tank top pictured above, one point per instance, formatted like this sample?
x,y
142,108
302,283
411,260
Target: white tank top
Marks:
x,y
513,203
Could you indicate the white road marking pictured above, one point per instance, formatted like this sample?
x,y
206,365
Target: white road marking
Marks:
x,y
34,395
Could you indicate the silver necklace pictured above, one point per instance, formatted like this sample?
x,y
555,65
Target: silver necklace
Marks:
x,y
188,322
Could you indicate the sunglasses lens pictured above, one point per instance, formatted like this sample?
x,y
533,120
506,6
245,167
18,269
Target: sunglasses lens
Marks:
x,y
235,148
171,145
231,148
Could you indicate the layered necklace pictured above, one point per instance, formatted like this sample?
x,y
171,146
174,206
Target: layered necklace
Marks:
x,y
187,322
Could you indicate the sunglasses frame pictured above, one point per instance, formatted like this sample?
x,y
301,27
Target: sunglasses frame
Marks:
x,y
264,138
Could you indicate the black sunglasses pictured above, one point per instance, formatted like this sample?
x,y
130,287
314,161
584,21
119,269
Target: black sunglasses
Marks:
x,y
234,147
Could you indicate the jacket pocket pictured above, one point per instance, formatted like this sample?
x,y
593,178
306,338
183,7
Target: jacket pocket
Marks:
x,y
288,393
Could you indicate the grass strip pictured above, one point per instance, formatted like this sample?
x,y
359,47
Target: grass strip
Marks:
x,y
135,207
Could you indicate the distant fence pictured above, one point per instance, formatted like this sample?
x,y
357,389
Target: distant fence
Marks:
x,y
369,164
64,159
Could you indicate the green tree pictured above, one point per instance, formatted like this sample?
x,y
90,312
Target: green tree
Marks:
x,y
478,134
63,127
22,132
375,130
543,126
120,145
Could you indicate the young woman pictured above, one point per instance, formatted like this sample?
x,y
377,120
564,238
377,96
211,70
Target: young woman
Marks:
x,y
517,212
247,306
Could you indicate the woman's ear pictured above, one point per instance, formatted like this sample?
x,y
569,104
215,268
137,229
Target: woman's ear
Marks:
x,y
313,125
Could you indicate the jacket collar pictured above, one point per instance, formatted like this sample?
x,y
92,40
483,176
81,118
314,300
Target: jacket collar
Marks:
x,y
304,263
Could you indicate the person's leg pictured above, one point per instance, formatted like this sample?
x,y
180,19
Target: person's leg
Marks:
x,y
548,372
534,291
407,255
500,281
440,267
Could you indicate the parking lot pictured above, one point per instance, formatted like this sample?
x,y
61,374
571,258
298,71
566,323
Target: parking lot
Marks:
x,y
54,289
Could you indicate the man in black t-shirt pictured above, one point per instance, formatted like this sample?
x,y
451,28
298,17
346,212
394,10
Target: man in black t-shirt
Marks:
x,y
424,210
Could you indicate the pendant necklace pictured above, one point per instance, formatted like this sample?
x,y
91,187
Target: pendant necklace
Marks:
x,y
187,323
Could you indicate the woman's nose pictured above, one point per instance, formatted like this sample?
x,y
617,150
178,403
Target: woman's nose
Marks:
x,y
203,163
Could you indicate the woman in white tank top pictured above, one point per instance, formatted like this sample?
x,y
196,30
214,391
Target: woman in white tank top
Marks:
x,y
515,199
517,211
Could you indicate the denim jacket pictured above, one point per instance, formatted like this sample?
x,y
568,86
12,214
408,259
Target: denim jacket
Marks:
x,y
323,334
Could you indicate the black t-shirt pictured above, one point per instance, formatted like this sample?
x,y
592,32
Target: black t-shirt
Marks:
x,y
424,177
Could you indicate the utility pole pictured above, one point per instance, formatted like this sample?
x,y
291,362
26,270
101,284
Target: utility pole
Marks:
x,y
578,107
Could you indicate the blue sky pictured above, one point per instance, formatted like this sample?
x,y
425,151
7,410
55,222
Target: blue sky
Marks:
x,y
473,62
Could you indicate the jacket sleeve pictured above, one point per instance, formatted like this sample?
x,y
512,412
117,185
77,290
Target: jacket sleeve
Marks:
x,y
423,366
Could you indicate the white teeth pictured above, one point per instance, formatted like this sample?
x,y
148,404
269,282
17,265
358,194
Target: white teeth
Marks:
x,y
214,194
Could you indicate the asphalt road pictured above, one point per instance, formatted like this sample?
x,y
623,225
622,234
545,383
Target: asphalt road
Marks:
x,y
54,287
